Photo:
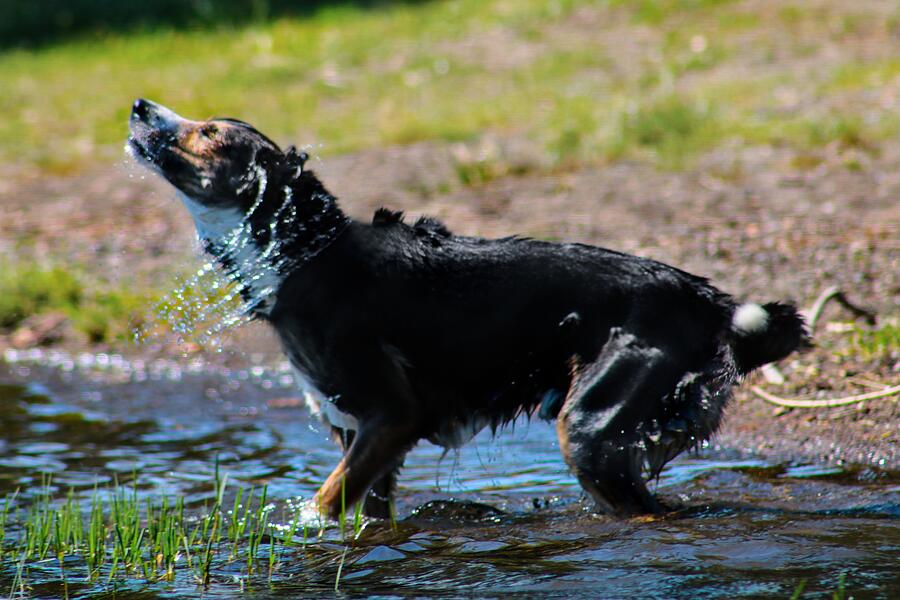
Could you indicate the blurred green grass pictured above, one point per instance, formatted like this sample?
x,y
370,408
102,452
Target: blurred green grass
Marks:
x,y
103,313
881,343
585,81
560,72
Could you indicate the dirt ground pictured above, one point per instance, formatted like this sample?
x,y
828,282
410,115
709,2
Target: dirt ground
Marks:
x,y
749,219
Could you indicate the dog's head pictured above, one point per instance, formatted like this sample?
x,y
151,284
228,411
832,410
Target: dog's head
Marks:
x,y
220,163
256,208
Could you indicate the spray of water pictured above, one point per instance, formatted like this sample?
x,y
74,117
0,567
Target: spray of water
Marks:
x,y
250,263
213,300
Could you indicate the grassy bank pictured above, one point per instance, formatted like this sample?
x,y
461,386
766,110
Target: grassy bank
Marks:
x,y
587,80
101,313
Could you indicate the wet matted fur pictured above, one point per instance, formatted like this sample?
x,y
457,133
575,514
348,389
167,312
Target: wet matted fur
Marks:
x,y
408,332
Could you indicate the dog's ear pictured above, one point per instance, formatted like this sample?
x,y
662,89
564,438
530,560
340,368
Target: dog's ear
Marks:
x,y
296,160
268,157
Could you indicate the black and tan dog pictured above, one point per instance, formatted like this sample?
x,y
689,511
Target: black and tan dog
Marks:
x,y
409,332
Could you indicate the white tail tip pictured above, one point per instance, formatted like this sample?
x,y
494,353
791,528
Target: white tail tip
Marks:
x,y
750,318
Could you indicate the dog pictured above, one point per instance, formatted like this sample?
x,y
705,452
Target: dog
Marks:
x,y
409,332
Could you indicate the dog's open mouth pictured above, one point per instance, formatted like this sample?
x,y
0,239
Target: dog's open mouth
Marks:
x,y
138,150
145,143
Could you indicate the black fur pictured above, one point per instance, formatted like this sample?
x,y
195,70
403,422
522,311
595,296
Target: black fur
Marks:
x,y
406,320
416,333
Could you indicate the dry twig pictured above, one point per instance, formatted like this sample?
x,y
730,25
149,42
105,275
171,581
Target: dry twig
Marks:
x,y
773,374
835,293
824,403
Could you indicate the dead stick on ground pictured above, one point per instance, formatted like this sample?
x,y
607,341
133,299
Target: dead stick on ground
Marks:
x,y
825,403
835,293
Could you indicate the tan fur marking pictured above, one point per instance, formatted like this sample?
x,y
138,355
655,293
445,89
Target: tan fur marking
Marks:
x,y
372,454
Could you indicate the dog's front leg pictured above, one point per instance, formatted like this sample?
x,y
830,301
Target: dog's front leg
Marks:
x,y
378,500
377,503
376,450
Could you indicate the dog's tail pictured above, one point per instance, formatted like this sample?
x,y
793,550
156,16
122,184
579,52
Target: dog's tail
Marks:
x,y
764,334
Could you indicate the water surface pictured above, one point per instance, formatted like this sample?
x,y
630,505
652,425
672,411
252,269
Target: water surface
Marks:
x,y
500,517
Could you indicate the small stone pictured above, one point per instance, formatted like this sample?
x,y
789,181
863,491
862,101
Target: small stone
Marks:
x,y
381,554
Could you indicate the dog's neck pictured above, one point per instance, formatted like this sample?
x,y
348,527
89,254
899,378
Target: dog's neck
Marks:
x,y
212,223
288,225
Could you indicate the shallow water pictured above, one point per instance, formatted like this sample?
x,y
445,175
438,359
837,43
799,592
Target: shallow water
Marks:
x,y
517,525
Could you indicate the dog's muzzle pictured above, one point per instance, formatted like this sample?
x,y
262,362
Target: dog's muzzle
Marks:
x,y
155,116
152,127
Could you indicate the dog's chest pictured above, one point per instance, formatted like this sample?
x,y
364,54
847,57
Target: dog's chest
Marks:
x,y
321,406
450,435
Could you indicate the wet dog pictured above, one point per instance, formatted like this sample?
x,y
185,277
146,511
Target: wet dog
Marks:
x,y
404,333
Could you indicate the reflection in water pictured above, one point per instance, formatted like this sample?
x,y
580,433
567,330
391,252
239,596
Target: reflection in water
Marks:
x,y
500,516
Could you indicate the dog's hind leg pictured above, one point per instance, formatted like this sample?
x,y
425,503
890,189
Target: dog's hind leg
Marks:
x,y
374,454
599,424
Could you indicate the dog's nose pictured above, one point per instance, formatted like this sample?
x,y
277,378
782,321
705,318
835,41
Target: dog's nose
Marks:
x,y
140,109
155,115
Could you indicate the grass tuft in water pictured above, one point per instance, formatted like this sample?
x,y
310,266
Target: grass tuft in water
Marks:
x,y
798,591
116,536
839,594
4,518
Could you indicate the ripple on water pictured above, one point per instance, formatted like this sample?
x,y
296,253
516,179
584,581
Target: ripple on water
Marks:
x,y
804,471
35,464
43,448
518,525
